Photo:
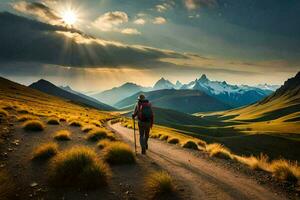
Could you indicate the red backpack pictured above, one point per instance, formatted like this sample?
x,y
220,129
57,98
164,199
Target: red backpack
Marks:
x,y
145,113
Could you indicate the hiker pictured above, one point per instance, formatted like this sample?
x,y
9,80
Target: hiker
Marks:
x,y
144,113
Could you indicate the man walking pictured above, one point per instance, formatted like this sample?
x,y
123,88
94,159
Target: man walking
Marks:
x,y
144,113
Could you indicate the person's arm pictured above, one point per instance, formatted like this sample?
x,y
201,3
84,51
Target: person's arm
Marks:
x,y
152,117
135,112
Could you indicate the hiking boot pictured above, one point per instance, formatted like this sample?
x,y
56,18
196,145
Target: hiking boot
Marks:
x,y
143,151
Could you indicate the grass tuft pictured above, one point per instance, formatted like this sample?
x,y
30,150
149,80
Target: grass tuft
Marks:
x,y
96,135
87,128
201,143
3,113
159,184
23,118
119,153
62,135
255,163
164,137
173,140
45,151
33,125
285,170
75,123
218,150
103,143
78,167
53,121
190,145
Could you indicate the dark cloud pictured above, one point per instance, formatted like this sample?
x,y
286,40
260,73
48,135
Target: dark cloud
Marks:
x,y
25,40
38,10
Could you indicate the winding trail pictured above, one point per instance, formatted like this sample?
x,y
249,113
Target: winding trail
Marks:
x,y
203,178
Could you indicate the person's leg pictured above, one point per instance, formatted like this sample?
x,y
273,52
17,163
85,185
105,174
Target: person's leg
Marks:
x,y
147,131
142,136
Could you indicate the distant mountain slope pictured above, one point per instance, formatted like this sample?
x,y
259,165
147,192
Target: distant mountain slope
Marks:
x,y
232,95
69,89
282,103
188,101
49,88
116,94
163,84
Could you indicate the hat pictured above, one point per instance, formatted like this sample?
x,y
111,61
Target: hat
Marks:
x,y
141,97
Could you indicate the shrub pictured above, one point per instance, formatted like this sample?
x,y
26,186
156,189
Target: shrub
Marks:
x,y
190,145
33,125
3,113
154,136
164,137
173,140
62,135
218,150
78,167
7,186
119,153
87,128
96,123
75,123
23,111
45,151
23,118
96,135
285,170
159,184
53,121
103,143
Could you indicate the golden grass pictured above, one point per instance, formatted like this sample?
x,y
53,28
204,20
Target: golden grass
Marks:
x,y
87,128
119,153
218,150
4,113
53,121
78,167
96,135
201,143
25,117
7,186
285,170
159,184
164,137
255,163
33,125
190,145
173,140
103,143
62,135
45,151
75,123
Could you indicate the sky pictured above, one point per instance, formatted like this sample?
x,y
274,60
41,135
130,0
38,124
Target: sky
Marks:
x,y
94,45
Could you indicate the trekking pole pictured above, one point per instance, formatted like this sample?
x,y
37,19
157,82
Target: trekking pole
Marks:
x,y
134,136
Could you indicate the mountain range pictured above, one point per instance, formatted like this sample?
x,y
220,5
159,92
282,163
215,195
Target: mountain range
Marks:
x,y
231,95
188,101
69,94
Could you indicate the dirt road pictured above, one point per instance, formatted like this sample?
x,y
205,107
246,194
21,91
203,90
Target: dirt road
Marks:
x,y
203,178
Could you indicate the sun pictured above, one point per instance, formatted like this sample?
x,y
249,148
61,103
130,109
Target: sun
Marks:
x,y
69,17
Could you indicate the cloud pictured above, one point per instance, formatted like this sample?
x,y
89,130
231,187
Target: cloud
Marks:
x,y
130,31
159,20
195,4
140,21
57,45
111,20
38,10
164,6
